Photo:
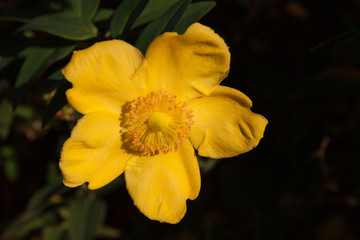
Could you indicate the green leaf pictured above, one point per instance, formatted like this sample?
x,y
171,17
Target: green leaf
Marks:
x,y
153,10
64,25
107,232
11,168
83,8
60,53
26,112
89,8
26,225
103,14
38,59
54,233
41,196
31,67
53,81
196,11
86,217
6,114
57,102
165,23
125,15
10,163
4,61
111,187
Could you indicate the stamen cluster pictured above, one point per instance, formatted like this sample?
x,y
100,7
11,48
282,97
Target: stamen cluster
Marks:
x,y
149,141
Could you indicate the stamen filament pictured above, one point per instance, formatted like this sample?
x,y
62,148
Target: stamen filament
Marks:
x,y
157,124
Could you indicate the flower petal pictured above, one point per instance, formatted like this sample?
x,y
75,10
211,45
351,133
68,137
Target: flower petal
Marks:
x,y
224,124
160,184
188,65
93,152
103,76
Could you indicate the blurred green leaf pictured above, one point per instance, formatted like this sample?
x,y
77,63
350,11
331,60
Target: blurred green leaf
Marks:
x,y
26,225
125,15
103,14
32,66
60,52
36,215
54,233
86,217
64,25
6,114
111,187
153,10
196,11
11,165
25,112
108,232
39,198
11,168
53,81
89,8
37,61
57,102
4,61
84,8
57,75
165,23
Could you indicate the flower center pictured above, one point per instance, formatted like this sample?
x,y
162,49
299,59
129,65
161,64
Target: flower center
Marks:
x,y
156,124
159,121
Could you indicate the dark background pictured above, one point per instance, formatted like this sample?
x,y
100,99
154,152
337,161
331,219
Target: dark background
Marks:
x,y
299,63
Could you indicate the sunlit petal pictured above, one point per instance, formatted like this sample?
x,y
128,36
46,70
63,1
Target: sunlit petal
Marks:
x,y
188,65
93,152
104,76
224,124
160,184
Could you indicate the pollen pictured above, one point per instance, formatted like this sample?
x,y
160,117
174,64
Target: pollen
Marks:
x,y
156,123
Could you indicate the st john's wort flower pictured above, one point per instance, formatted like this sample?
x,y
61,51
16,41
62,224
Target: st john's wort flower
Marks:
x,y
143,116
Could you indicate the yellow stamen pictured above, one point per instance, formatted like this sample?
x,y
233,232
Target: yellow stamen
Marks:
x,y
156,124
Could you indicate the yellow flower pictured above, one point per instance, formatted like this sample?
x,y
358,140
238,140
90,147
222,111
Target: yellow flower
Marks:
x,y
143,116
